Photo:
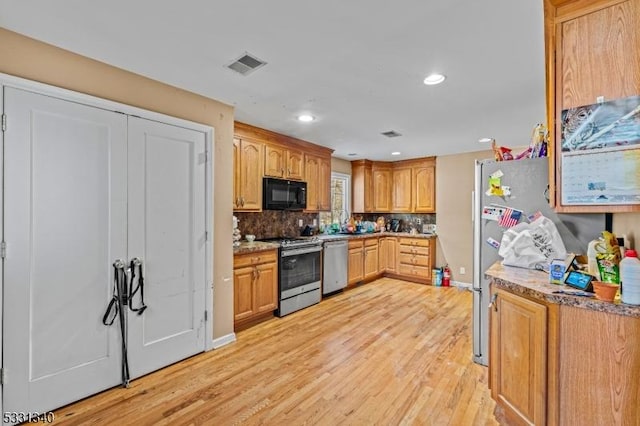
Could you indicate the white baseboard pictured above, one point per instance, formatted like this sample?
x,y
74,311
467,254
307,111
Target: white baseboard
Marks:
x,y
460,284
223,340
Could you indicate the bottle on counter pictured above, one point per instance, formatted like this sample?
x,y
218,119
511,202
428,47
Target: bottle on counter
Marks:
x,y
630,278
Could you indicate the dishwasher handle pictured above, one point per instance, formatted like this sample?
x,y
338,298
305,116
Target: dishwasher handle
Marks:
x,y
334,244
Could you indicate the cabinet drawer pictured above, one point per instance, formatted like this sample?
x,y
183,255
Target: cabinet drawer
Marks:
x,y
414,270
370,242
422,251
411,259
257,258
355,244
417,242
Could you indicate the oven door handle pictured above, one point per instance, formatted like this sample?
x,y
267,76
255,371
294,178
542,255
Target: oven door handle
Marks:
x,y
296,252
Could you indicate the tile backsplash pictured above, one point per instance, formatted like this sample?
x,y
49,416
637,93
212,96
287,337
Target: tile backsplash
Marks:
x,y
409,220
273,223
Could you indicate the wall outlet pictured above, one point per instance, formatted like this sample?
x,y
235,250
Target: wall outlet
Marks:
x,y
315,222
462,270
300,223
418,221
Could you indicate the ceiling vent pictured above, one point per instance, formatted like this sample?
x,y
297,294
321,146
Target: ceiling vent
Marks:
x,y
246,64
391,134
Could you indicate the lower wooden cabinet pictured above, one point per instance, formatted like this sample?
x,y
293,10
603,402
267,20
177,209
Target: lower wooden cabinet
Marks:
x,y
255,283
409,258
387,255
370,260
518,357
356,262
415,258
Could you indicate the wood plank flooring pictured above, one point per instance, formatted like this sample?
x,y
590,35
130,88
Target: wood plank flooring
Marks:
x,y
385,353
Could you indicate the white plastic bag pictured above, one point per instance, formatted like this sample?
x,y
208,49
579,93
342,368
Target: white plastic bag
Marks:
x,y
532,245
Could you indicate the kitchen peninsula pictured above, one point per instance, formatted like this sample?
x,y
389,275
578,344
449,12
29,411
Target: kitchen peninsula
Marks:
x,y
560,359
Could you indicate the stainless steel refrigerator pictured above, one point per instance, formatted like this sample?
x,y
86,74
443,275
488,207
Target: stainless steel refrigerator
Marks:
x,y
527,180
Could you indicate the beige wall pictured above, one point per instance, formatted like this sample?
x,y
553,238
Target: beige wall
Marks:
x,y
341,166
455,179
24,57
629,224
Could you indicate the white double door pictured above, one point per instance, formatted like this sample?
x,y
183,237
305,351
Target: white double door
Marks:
x,y
84,187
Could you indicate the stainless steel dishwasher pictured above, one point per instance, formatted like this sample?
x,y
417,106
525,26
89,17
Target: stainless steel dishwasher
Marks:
x,y
335,266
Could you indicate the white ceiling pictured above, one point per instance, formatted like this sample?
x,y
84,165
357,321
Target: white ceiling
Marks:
x,y
356,65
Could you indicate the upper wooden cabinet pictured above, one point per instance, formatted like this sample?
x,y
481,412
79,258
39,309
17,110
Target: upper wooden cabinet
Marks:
x,y
423,181
592,50
247,182
362,186
398,187
283,163
381,178
259,152
318,178
402,189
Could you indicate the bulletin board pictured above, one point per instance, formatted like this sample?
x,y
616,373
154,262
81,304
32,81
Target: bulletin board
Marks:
x,y
600,157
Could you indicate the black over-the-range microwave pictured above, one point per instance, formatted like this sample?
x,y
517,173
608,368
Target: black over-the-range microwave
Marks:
x,y
283,194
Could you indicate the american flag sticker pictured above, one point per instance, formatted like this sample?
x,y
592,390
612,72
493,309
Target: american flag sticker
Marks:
x,y
510,218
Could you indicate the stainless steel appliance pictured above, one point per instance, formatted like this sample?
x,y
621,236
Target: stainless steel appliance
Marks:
x,y
282,194
335,266
528,182
299,273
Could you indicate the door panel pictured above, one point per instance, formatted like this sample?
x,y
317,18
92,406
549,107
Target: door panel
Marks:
x,y
65,224
167,232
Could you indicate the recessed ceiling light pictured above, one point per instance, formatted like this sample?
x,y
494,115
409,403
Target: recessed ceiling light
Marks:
x,y
485,140
306,118
396,153
434,79
352,154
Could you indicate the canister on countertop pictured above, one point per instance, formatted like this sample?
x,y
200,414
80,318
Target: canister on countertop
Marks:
x,y
630,278
436,277
557,269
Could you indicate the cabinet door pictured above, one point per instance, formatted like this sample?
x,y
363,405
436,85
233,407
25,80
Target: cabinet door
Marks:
x,y
236,173
250,176
356,271
402,190
381,190
324,184
266,288
361,186
391,255
518,357
312,171
424,190
274,161
243,292
295,165
370,261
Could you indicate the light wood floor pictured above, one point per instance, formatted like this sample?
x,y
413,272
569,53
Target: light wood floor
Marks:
x,y
385,353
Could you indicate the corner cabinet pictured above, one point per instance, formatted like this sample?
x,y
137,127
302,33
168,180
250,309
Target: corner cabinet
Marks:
x,y
518,357
592,50
247,182
255,285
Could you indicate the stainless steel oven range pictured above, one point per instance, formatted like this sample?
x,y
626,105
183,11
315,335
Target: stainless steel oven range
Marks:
x,y
299,274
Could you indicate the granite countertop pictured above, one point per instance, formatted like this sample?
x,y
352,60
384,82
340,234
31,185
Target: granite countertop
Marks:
x,y
535,284
247,247
337,237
